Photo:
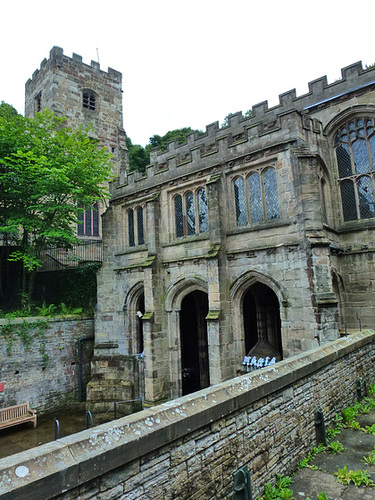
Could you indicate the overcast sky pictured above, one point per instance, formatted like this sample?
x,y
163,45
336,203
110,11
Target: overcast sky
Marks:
x,y
188,63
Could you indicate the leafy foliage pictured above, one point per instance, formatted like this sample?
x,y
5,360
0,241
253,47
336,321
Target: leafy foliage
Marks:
x,y
280,491
139,157
79,287
357,477
48,174
370,459
305,462
336,447
26,331
248,113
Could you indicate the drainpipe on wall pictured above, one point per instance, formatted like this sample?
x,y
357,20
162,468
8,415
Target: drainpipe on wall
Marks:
x,y
80,381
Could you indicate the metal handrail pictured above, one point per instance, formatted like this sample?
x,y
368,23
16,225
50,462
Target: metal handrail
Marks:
x,y
126,401
57,429
89,419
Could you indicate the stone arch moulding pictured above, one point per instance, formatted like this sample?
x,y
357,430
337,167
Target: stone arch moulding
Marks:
x,y
173,300
248,278
178,290
131,320
363,110
237,292
133,295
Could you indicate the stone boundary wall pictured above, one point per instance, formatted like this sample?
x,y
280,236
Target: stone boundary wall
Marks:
x,y
43,368
190,447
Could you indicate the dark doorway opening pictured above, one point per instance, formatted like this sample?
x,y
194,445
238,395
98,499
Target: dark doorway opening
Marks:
x,y
261,314
194,346
140,313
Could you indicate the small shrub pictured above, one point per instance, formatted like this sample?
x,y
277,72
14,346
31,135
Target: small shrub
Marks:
x,y
336,447
280,491
370,429
357,477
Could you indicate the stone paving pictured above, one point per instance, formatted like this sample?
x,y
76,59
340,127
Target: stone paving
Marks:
x,y
308,483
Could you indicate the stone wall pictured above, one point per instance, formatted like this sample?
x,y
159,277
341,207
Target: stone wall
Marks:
x,y
306,260
43,367
190,447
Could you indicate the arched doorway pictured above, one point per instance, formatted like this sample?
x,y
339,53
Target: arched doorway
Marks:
x,y
262,324
194,345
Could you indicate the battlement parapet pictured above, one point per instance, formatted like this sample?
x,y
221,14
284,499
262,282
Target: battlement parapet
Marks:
x,y
219,143
74,63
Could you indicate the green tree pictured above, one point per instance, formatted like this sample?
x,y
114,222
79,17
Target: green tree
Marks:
x,y
178,135
248,113
48,174
139,157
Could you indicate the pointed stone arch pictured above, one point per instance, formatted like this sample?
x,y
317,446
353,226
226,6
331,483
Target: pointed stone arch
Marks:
x,y
250,290
133,308
177,292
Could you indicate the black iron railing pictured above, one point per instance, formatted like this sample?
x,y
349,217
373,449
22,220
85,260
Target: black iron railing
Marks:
x,y
56,258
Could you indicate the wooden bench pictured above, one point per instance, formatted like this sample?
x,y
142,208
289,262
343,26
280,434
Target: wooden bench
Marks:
x,y
18,414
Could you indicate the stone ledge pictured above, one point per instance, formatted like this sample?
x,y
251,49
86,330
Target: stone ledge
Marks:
x,y
74,460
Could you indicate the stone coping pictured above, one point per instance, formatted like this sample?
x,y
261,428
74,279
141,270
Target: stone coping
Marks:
x,y
56,467
50,319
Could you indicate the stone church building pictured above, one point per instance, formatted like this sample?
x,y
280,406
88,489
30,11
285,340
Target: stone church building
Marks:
x,y
254,238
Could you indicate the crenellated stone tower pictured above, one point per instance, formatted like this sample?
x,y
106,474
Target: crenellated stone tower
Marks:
x,y
85,95
256,238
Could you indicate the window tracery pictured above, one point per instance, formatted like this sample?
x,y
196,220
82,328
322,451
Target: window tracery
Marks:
x,y
257,195
136,227
191,213
355,154
88,221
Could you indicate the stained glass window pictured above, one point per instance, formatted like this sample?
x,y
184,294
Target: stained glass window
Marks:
x,y
355,153
190,213
256,202
202,210
271,194
179,216
95,219
366,197
260,194
88,221
140,228
131,228
240,201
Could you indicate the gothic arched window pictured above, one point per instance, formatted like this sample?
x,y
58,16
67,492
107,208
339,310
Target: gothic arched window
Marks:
x,y
202,210
191,213
258,197
136,229
355,154
271,194
240,201
88,221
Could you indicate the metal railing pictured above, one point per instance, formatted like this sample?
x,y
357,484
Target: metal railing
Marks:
x,y
56,258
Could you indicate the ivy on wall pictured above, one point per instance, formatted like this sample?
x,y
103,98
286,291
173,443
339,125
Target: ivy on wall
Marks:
x,y
74,287
26,331
79,289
